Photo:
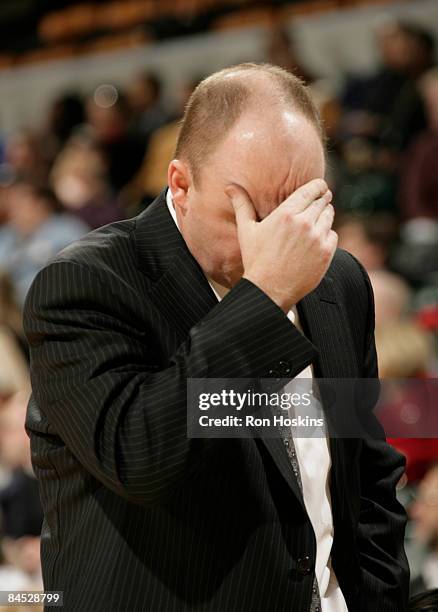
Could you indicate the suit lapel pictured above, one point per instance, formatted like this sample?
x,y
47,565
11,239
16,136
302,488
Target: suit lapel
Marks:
x,y
279,454
180,290
183,294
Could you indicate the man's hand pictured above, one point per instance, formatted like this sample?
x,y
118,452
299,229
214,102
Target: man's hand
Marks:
x,y
287,254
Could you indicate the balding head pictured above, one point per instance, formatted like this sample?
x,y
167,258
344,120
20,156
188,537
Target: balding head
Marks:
x,y
220,100
252,126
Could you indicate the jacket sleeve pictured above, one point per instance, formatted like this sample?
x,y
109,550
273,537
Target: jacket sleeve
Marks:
x,y
384,567
98,378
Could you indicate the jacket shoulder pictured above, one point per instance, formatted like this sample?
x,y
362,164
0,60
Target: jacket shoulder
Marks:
x,y
355,296
105,246
103,258
350,277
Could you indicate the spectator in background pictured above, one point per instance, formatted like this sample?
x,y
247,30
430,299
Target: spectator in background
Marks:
x,y
281,50
367,238
65,114
4,193
361,186
10,312
366,99
25,159
392,296
416,254
383,114
424,513
386,107
144,95
404,350
36,230
406,118
14,371
409,395
152,177
20,508
79,178
419,181
108,114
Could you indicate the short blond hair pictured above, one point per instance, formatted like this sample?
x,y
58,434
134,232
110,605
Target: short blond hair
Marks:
x,y
404,350
218,102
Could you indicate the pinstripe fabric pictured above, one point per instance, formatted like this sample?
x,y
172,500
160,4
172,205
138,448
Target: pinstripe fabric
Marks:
x,y
137,516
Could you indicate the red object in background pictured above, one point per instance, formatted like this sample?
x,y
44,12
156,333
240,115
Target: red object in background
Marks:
x,y
419,452
427,317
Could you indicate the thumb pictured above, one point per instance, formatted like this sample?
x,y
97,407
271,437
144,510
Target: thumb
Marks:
x,y
241,203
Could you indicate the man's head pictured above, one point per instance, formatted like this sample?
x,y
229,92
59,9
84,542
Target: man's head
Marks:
x,y
251,125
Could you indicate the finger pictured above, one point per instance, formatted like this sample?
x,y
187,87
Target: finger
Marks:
x,y
241,203
325,220
300,199
332,241
315,209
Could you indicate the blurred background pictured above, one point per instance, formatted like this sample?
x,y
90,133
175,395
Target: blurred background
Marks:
x,y
91,94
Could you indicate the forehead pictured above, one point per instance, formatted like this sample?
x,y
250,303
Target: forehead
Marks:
x,y
270,157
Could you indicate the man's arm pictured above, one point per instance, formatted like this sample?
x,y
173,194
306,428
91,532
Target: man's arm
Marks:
x,y
384,567
96,373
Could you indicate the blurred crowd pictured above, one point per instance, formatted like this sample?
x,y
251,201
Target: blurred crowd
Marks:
x,y
103,157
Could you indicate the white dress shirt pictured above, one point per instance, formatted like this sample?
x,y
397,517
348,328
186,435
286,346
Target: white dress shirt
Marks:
x,y
314,460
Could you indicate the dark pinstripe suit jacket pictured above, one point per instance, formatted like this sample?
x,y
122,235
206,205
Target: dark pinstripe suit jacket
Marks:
x,y
137,516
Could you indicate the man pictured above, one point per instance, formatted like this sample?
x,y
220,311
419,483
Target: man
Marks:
x,y
139,516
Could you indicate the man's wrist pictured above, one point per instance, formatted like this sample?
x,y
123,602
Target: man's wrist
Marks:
x,y
285,302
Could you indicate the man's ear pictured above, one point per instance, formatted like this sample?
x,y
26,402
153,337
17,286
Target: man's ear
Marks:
x,y
179,179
